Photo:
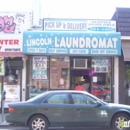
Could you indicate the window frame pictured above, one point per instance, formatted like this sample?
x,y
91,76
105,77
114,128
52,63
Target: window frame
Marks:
x,y
67,94
86,97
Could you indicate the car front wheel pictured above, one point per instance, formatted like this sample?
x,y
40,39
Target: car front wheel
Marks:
x,y
118,122
38,122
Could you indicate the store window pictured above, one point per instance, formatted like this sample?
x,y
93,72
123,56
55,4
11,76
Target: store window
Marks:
x,y
101,78
11,84
59,72
39,75
12,77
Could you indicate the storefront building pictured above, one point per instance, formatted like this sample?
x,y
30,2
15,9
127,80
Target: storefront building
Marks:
x,y
11,55
11,66
122,18
62,59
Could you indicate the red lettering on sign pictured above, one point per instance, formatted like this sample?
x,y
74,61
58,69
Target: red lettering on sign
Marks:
x,y
6,42
1,42
9,42
11,54
16,42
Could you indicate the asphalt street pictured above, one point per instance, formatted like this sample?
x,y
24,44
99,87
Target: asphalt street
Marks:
x,y
23,128
48,129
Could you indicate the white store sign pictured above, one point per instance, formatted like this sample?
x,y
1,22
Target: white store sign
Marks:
x,y
79,25
11,45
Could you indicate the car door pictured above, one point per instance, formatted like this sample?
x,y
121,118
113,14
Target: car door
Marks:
x,y
87,112
58,109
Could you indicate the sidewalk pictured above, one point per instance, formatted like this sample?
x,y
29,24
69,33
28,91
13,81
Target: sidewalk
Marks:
x,y
3,122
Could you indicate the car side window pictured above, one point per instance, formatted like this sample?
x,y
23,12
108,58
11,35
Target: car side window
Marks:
x,y
82,99
91,100
58,99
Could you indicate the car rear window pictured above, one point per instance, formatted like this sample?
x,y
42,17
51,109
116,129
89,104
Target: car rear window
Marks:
x,y
38,96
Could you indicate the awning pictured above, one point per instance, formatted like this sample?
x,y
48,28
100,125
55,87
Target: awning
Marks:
x,y
126,50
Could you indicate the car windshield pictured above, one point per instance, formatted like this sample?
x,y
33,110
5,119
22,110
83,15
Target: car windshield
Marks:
x,y
38,96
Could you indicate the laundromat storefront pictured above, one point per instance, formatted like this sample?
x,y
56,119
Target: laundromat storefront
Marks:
x,y
60,60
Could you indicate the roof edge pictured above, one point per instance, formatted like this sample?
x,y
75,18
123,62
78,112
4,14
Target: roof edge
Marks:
x,y
125,37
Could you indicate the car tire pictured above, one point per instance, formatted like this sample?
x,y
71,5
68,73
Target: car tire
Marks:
x,y
116,122
38,122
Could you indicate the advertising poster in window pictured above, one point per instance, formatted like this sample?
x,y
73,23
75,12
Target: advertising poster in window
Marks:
x,y
12,94
0,93
0,88
101,65
2,67
11,85
39,67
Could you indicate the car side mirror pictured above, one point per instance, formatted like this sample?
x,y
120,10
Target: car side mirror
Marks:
x,y
98,104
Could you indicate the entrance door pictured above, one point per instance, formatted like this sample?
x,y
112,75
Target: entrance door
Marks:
x,y
11,84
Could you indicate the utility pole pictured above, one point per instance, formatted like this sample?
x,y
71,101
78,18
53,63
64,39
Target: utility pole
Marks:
x,y
3,93
3,97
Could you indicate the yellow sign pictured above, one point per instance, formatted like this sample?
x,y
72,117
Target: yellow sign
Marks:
x,y
2,68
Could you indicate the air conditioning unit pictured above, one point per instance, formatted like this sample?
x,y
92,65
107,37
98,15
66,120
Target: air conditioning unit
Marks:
x,y
79,63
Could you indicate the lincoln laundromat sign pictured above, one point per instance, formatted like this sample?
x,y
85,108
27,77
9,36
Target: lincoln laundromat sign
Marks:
x,y
79,25
71,43
11,45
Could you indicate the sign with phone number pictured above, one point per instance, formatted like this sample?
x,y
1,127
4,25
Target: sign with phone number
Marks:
x,y
101,69
39,76
39,67
101,65
79,25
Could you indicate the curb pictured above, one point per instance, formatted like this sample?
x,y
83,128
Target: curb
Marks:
x,y
4,124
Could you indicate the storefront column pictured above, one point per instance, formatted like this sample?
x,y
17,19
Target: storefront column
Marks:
x,y
24,78
116,80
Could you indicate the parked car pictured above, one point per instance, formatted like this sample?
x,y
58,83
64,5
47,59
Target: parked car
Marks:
x,y
67,108
101,93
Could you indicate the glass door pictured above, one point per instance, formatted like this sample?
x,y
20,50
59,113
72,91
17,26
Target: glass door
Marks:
x,y
101,78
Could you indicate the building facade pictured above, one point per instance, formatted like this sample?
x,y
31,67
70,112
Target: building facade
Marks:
x,y
122,18
60,60
11,54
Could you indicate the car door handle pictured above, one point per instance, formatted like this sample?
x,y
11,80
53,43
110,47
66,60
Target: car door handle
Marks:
x,y
76,109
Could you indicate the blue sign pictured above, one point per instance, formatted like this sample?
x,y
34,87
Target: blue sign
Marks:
x,y
71,43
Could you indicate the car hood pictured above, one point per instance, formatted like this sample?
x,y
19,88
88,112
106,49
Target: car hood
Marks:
x,y
122,106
